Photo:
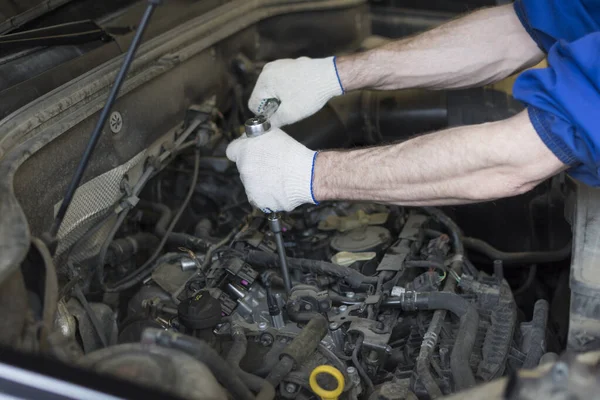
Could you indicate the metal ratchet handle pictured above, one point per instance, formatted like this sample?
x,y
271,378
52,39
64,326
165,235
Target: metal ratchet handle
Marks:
x,y
260,124
271,105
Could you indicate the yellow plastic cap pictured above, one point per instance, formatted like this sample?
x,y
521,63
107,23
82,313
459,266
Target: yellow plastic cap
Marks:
x,y
318,390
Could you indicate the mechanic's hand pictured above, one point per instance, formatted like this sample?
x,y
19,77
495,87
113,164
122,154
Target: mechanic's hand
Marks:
x,y
303,85
275,169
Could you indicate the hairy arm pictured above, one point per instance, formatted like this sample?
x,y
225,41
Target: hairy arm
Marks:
x,y
480,48
457,166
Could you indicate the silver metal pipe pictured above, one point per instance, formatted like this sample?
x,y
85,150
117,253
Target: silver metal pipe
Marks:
x,y
275,223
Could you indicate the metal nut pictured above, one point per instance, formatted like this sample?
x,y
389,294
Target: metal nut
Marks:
x,y
266,339
262,326
290,388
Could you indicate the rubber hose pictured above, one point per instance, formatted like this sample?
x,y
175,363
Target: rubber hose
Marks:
x,y
428,345
255,383
454,230
460,357
302,317
307,340
537,335
463,346
175,238
467,331
201,351
239,348
354,278
524,257
281,370
302,347
123,249
235,356
359,367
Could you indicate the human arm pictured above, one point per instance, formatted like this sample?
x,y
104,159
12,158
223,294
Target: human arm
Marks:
x,y
456,166
480,48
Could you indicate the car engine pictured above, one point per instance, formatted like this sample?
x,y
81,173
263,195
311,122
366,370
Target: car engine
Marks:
x,y
164,277
386,295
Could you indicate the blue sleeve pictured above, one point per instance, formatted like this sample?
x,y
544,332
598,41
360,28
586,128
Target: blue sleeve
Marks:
x,y
548,21
564,104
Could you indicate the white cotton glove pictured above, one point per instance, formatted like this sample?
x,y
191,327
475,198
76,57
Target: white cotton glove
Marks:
x,y
275,169
303,86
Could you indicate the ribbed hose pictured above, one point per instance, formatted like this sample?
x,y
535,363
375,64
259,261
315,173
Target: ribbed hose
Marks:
x,y
296,352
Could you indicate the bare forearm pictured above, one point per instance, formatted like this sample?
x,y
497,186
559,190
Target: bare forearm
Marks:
x,y
457,166
478,49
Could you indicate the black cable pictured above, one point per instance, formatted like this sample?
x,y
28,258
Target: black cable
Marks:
x,y
517,258
92,316
359,367
142,272
112,97
453,229
528,282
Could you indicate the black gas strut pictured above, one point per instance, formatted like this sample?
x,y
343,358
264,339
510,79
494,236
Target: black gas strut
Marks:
x,y
112,97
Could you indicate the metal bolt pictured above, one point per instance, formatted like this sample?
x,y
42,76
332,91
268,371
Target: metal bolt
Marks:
x,y
115,122
353,377
343,308
373,356
334,325
262,326
307,307
350,295
290,388
267,339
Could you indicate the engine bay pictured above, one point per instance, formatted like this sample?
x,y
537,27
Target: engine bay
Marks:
x,y
386,295
169,279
